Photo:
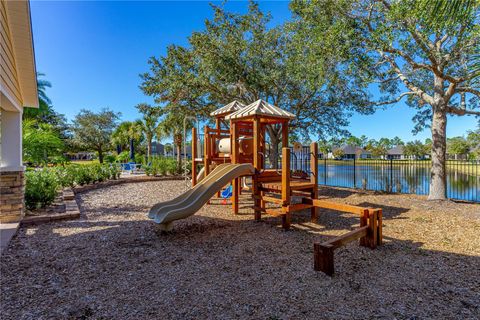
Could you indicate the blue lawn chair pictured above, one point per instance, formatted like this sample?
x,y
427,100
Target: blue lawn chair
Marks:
x,y
227,193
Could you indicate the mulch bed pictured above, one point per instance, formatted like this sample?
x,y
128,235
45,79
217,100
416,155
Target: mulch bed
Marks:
x,y
114,263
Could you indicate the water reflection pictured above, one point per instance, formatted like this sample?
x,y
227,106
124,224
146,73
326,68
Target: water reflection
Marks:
x,y
400,177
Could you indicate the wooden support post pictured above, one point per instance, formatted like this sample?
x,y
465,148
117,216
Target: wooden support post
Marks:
x,y
285,134
286,193
314,179
234,156
206,152
194,155
323,258
363,223
372,230
257,165
262,202
213,144
379,227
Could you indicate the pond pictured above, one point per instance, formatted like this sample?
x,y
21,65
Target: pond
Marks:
x,y
463,181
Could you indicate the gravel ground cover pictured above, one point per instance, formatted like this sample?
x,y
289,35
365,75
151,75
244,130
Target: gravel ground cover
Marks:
x,y
113,263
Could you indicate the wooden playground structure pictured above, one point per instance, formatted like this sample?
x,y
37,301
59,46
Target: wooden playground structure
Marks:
x,y
280,189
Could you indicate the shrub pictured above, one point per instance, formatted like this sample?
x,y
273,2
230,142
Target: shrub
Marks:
x,y
109,158
40,188
148,170
41,185
123,156
139,158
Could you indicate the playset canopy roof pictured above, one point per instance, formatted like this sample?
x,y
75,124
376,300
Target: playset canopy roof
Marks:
x,y
261,108
229,108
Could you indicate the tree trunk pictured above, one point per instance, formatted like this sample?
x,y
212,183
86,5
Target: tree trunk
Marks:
x,y
149,148
274,142
179,157
100,155
438,176
178,140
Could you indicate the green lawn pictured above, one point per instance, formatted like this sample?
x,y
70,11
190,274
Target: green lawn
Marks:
x,y
84,161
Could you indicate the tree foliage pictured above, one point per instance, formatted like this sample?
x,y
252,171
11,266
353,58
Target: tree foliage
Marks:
x,y
238,57
148,123
92,131
393,47
416,149
126,131
41,142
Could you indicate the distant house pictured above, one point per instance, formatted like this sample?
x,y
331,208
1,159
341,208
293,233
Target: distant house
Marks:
x,y
82,155
188,149
158,149
396,153
351,152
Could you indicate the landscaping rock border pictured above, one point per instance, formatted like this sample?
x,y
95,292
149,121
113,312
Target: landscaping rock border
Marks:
x,y
71,208
70,211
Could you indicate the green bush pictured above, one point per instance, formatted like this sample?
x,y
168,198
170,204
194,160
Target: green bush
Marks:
x,y
109,158
40,188
41,185
123,156
161,166
139,158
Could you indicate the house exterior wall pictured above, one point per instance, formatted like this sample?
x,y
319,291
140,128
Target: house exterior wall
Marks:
x,y
12,188
8,72
18,88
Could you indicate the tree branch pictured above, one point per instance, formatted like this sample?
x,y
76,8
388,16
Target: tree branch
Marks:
x,y
409,59
394,100
469,90
422,94
461,112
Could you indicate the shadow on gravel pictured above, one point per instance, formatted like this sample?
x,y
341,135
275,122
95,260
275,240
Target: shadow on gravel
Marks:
x,y
128,269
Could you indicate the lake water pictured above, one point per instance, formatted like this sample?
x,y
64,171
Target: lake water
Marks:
x,y
401,177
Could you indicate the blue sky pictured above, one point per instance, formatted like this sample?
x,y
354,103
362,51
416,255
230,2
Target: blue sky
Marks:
x,y
93,53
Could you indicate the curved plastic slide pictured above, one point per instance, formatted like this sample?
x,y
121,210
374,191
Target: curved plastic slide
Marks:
x,y
191,201
201,173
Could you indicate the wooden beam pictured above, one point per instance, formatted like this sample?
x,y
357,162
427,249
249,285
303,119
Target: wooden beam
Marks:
x,y
298,207
348,237
334,206
323,252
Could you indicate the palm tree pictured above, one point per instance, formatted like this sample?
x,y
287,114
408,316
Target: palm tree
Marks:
x,y
126,132
44,102
172,125
148,123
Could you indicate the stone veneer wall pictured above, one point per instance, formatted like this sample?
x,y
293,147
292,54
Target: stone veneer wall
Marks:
x,y
12,187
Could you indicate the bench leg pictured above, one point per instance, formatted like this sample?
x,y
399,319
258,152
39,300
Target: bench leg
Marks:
x,y
286,221
323,258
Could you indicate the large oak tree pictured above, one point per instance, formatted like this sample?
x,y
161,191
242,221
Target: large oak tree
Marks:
x,y
396,47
